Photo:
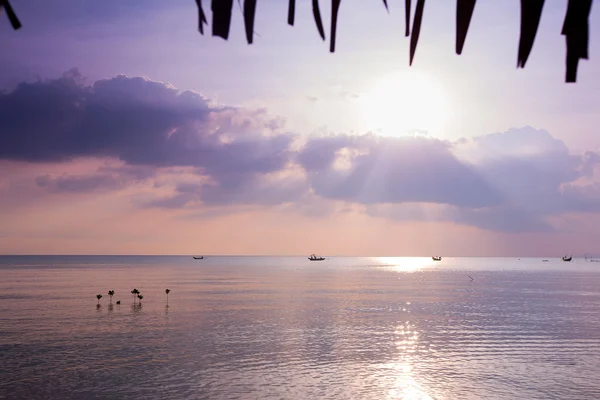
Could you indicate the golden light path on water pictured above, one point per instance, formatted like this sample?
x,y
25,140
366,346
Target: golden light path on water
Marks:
x,y
404,264
402,381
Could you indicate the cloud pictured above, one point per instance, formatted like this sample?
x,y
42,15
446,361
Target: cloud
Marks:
x,y
145,124
78,184
372,169
195,154
533,174
136,120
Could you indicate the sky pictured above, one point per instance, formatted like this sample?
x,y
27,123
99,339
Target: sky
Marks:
x,y
125,131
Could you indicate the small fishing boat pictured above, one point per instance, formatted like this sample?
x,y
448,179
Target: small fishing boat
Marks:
x,y
565,258
197,258
314,257
436,258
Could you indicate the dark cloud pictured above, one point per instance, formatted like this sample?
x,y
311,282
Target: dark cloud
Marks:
x,y
136,120
78,184
512,181
147,125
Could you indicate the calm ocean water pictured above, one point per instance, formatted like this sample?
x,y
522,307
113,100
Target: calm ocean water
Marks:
x,y
288,328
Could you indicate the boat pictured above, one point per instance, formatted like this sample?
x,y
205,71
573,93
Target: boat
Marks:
x,y
565,258
313,257
198,258
436,258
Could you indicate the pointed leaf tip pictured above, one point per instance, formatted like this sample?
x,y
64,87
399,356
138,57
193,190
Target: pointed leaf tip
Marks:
x,y
10,13
201,17
464,12
318,20
291,12
531,12
249,14
335,7
221,24
407,18
414,39
576,30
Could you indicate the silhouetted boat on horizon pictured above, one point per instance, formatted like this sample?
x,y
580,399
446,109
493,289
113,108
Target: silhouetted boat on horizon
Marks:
x,y
565,258
198,258
436,258
313,257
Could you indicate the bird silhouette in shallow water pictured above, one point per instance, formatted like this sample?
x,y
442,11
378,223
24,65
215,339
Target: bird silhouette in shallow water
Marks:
x,y
118,302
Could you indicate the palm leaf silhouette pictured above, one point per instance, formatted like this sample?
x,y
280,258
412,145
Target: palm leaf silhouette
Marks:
x,y
221,17
249,12
407,18
335,8
201,17
10,13
531,12
416,30
575,26
291,12
576,29
318,20
464,12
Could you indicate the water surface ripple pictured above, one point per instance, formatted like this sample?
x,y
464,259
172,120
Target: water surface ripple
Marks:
x,y
283,327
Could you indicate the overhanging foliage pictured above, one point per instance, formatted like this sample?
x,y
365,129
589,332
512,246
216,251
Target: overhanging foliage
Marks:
x,y
575,27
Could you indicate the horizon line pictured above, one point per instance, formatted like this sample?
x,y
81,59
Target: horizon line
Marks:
x,y
591,254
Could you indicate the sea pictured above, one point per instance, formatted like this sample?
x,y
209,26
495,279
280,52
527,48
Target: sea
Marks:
x,y
288,328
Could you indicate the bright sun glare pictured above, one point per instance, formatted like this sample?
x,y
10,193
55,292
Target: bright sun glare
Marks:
x,y
405,103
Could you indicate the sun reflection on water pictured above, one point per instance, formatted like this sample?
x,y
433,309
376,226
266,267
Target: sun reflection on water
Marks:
x,y
404,385
404,264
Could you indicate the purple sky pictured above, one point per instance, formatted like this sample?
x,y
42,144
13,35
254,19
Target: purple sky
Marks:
x,y
124,131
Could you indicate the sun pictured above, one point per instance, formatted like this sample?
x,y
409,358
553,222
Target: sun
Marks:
x,y
404,103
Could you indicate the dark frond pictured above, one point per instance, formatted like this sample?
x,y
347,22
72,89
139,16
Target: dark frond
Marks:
x,y
201,17
576,30
318,20
464,12
10,13
221,21
407,18
416,30
531,12
335,8
249,13
575,26
291,12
